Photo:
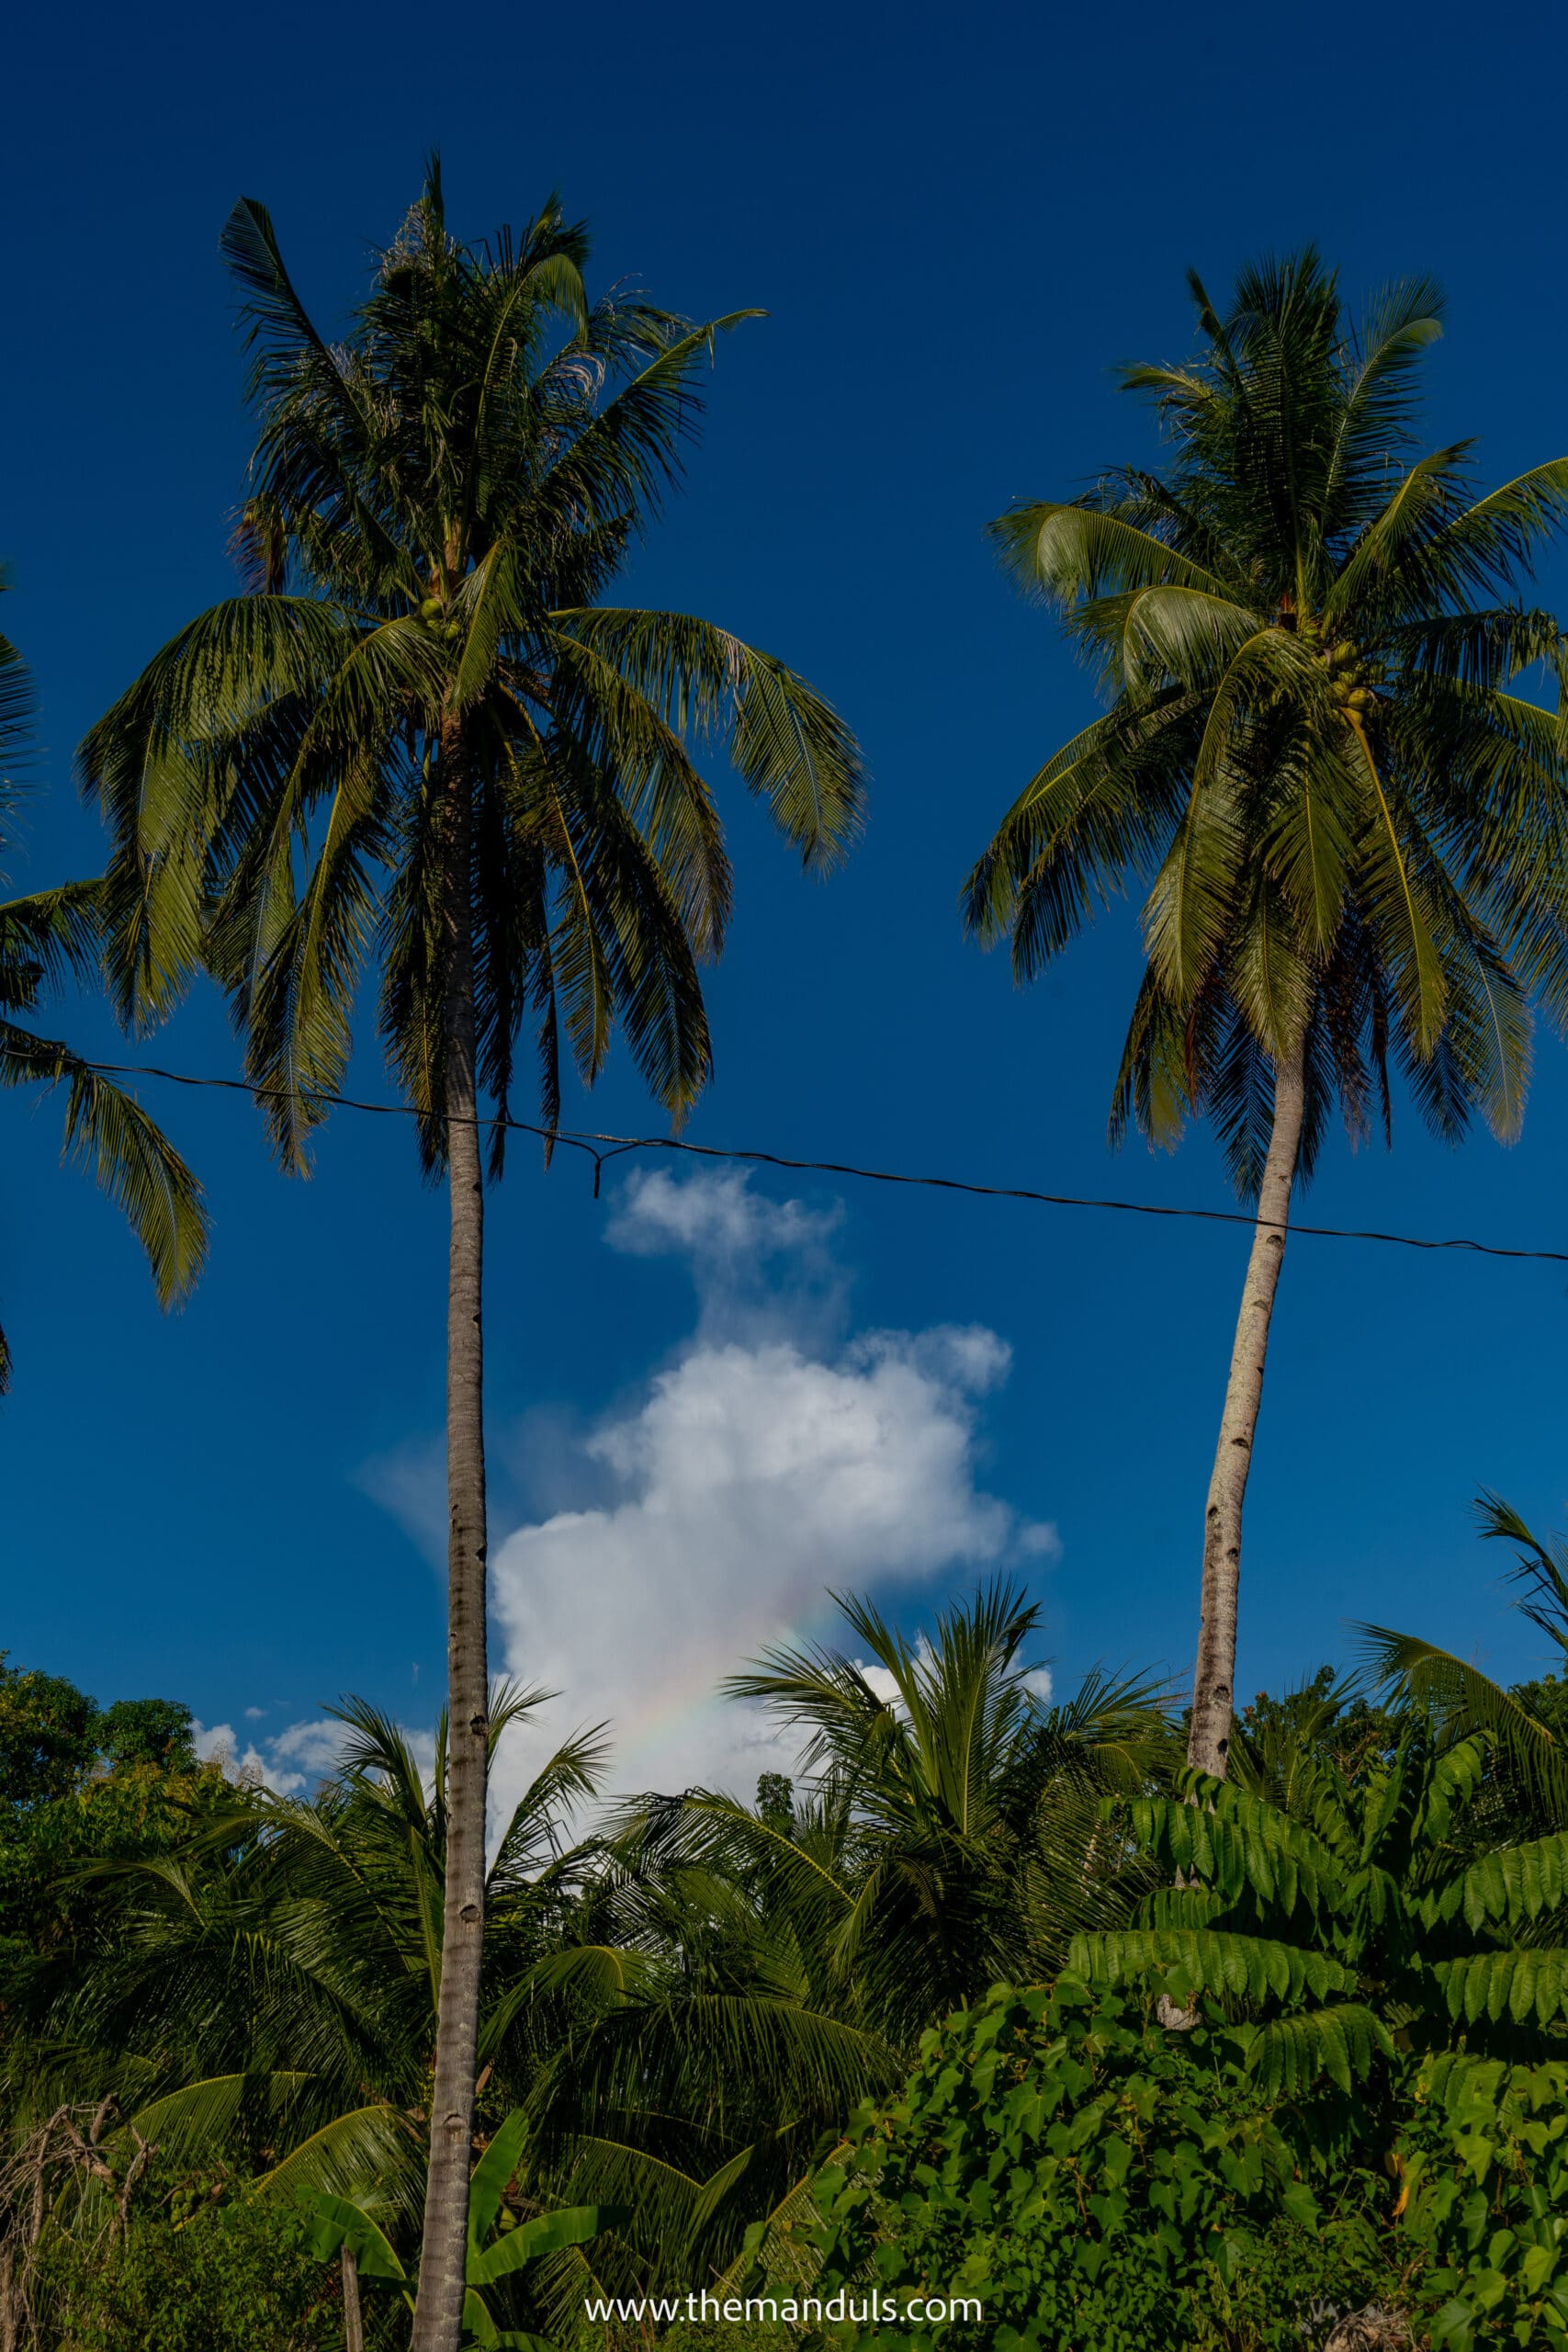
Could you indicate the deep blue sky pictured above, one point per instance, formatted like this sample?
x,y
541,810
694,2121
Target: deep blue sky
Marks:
x,y
957,221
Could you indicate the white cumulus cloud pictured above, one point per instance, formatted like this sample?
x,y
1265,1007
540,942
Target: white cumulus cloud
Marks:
x,y
216,1743
294,1761
753,1474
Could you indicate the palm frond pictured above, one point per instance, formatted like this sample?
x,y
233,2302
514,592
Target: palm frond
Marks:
x,y
1541,1567
17,705
126,1152
1465,1700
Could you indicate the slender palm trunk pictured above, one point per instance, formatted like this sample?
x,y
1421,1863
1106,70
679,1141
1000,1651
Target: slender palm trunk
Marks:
x,y
353,2324
1214,1676
439,2311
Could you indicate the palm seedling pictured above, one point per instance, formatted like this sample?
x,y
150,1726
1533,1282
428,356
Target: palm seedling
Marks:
x,y
426,738
1350,824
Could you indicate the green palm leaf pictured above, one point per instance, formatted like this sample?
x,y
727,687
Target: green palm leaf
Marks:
x,y
132,1161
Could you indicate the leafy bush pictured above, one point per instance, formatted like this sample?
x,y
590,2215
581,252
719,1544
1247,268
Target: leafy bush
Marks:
x,y
192,2275
1352,1916
1484,2156
1098,2182
1095,2182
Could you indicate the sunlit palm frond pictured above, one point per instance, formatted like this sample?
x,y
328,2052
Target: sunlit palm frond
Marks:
x,y
109,1134
1322,591
1465,1700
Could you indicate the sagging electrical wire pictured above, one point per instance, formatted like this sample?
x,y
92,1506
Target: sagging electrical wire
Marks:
x,y
602,1148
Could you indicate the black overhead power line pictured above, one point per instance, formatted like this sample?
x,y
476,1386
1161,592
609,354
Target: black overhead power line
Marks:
x,y
602,1148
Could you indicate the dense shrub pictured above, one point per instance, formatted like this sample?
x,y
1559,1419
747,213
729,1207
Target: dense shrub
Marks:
x,y
1484,2151
189,2274
1097,2183
1101,2184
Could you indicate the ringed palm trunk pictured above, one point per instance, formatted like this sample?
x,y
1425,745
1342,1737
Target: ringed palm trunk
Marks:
x,y
439,2307
353,2324
1213,1676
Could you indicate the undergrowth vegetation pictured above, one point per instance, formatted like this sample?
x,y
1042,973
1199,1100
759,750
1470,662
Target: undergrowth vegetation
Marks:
x,y
1000,2001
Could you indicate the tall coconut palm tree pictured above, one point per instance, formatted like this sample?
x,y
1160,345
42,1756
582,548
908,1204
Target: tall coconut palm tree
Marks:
x,y
425,736
46,938
1350,824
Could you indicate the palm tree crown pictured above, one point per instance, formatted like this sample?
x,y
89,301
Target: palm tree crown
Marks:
x,y
436,511
953,1835
1350,824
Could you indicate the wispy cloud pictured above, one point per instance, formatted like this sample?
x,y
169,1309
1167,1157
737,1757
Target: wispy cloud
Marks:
x,y
725,1229
410,1483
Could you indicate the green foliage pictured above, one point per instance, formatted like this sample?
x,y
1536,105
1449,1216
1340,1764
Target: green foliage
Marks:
x,y
1097,2181
1272,1737
147,1731
265,1978
1349,824
1347,1916
681,2009
47,1740
1485,2159
1546,1699
80,1787
776,1802
744,1978
189,2274
1094,2182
